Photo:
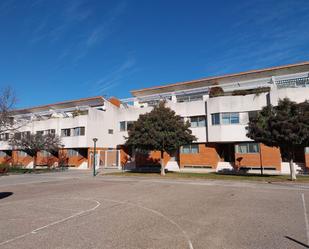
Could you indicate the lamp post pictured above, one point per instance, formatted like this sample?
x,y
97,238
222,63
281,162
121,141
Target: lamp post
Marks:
x,y
62,157
94,152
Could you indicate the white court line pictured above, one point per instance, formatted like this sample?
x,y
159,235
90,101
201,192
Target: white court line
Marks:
x,y
54,223
159,214
306,217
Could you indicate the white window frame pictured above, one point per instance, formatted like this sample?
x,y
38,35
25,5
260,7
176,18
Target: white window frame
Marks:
x,y
248,146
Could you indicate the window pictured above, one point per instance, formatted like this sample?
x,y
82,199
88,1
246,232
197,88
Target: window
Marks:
x,y
73,152
215,118
190,149
3,153
65,132
225,118
307,150
125,125
51,131
110,131
25,134
79,131
4,136
190,97
244,148
252,115
17,135
22,153
45,153
129,125
198,121
122,125
40,133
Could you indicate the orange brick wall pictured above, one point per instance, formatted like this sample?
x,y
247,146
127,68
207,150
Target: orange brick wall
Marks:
x,y
307,160
5,160
18,160
271,157
207,156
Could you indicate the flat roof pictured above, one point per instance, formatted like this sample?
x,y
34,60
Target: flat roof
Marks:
x,y
92,101
212,80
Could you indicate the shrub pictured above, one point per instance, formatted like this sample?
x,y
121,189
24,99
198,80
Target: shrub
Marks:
x,y
216,91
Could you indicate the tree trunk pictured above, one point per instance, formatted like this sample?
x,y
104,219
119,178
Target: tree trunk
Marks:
x,y
162,164
34,162
292,170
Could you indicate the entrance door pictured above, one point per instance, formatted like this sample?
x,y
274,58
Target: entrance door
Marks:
x,y
227,152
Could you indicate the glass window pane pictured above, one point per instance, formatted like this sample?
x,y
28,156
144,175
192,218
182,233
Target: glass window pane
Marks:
x,y
243,148
194,121
253,148
122,126
202,122
307,150
186,149
215,118
225,118
234,118
194,149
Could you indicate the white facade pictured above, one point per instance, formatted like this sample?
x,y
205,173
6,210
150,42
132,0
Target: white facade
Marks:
x,y
101,119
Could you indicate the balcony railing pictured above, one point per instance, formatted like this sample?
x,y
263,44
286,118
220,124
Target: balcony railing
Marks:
x,y
293,83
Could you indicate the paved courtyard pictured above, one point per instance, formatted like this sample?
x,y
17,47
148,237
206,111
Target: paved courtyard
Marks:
x,y
75,210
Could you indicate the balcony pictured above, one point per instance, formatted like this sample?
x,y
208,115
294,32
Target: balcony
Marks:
x,y
293,83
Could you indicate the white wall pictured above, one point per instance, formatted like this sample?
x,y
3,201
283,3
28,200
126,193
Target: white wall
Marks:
x,y
295,94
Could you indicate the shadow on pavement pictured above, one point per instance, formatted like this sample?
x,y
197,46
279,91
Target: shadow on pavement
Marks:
x,y
298,242
5,194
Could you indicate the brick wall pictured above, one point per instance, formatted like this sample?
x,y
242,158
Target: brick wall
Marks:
x,y
270,156
207,156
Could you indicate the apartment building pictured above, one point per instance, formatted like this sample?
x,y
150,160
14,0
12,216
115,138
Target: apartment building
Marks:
x,y
218,109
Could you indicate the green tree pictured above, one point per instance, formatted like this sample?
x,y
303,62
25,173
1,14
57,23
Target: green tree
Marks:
x,y
285,126
160,130
34,143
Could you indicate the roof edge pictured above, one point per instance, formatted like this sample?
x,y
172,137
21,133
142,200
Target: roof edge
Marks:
x,y
58,103
221,76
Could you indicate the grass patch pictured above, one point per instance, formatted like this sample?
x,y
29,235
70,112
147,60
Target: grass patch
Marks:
x,y
215,176
5,170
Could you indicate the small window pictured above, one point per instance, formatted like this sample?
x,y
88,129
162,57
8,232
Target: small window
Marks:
x,y
252,115
45,153
129,124
126,125
307,150
40,133
4,136
65,132
215,118
225,118
73,152
3,153
110,131
50,131
22,153
78,131
122,125
198,121
25,134
17,135
234,118
190,149
245,148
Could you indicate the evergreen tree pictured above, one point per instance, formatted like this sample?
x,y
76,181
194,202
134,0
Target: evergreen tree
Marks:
x,y
285,126
159,130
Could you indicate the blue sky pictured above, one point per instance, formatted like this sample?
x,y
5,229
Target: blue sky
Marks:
x,y
59,50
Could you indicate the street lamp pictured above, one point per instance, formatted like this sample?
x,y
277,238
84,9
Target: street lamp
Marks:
x,y
62,157
94,152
